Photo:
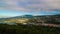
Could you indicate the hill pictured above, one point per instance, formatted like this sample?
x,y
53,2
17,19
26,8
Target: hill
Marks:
x,y
53,19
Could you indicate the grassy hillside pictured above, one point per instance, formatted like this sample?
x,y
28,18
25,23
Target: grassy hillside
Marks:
x,y
16,25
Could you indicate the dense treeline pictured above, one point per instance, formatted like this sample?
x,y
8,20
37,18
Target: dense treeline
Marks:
x,y
27,29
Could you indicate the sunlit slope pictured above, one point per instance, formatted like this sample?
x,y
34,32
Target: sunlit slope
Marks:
x,y
55,19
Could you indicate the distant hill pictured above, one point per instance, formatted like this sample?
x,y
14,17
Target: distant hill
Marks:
x,y
55,19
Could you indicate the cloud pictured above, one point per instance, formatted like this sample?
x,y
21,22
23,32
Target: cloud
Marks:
x,y
30,5
53,4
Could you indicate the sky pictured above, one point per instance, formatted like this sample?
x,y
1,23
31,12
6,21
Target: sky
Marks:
x,y
35,7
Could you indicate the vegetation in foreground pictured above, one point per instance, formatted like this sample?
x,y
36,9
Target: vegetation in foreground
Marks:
x,y
27,29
